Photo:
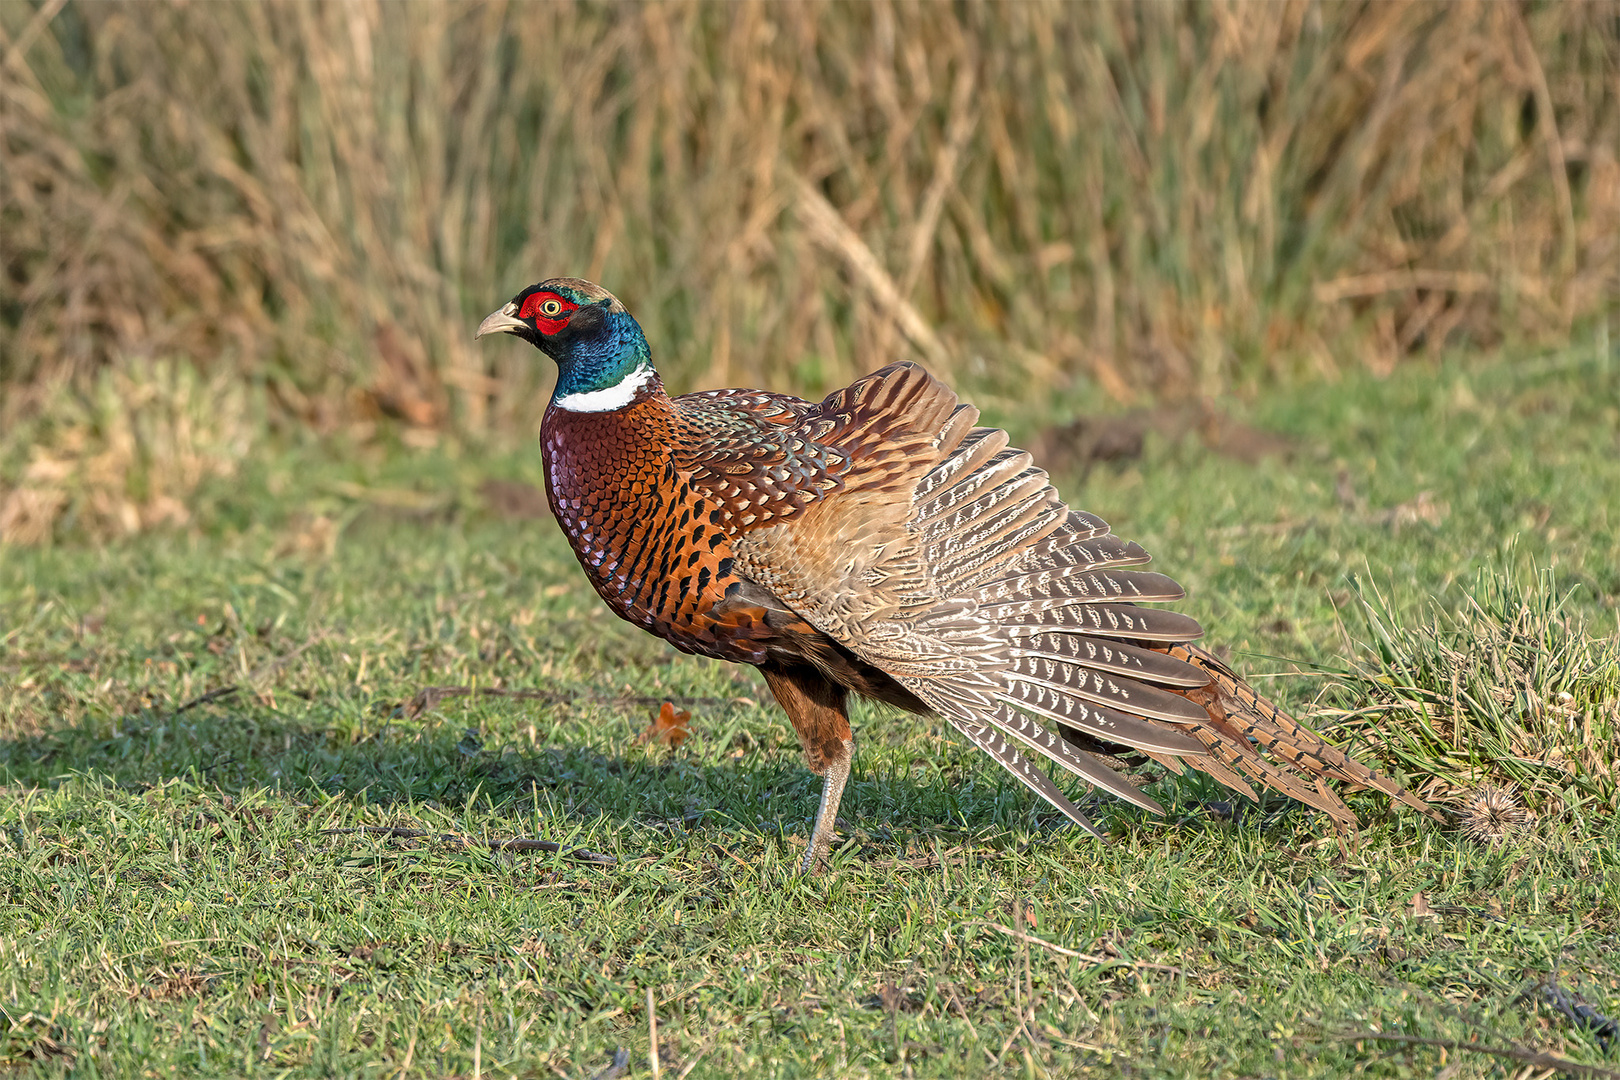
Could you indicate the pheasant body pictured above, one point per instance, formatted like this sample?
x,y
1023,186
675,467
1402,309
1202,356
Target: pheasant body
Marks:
x,y
879,542
645,539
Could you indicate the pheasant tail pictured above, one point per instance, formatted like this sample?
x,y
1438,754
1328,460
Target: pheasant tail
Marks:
x,y
1242,724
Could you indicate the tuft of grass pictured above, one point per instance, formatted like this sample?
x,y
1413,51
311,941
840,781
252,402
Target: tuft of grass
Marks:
x,y
1510,690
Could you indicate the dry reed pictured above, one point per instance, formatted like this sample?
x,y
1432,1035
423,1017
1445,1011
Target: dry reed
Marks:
x,y
321,199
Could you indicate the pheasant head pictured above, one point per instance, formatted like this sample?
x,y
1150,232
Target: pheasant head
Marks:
x,y
603,361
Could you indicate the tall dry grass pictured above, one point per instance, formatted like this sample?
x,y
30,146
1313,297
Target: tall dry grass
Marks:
x,y
319,200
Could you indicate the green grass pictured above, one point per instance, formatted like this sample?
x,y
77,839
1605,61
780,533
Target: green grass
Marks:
x,y
175,903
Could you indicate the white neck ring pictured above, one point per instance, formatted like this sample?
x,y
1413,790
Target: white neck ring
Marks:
x,y
608,398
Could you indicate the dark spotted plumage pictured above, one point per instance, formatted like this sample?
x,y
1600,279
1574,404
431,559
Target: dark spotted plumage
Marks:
x,y
878,542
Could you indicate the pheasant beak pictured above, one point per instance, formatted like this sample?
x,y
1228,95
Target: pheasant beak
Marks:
x,y
502,322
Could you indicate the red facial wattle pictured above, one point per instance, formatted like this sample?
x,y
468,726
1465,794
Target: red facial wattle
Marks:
x,y
549,311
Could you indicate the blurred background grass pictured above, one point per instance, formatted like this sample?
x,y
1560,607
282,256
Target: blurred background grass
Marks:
x,y
222,224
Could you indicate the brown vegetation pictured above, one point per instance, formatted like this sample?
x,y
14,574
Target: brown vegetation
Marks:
x,y
317,201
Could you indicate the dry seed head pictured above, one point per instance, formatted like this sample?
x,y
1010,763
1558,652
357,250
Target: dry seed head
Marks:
x,y
1492,815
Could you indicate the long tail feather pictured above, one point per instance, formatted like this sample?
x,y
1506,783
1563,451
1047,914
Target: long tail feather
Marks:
x,y
1257,722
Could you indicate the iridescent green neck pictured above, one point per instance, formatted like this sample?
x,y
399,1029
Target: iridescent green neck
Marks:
x,y
607,370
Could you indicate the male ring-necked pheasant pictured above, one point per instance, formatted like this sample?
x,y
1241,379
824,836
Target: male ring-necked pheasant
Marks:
x,y
878,542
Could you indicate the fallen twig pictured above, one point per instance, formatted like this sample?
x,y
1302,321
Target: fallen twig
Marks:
x,y
276,663
264,669
430,696
518,844
203,699
955,856
1580,1013
18,661
1538,1058
1090,958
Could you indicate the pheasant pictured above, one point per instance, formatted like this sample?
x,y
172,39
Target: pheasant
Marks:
x,y
880,543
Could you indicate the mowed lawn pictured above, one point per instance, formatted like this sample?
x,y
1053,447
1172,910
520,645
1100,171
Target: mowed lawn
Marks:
x,y
197,727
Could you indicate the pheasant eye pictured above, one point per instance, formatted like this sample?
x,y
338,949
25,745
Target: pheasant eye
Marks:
x,y
547,307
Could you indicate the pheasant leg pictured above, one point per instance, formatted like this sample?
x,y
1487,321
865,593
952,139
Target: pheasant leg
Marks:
x,y
832,791
816,707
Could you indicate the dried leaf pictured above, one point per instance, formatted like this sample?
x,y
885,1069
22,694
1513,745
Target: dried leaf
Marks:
x,y
668,727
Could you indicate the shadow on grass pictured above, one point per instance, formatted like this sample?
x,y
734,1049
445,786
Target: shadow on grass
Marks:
x,y
727,778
